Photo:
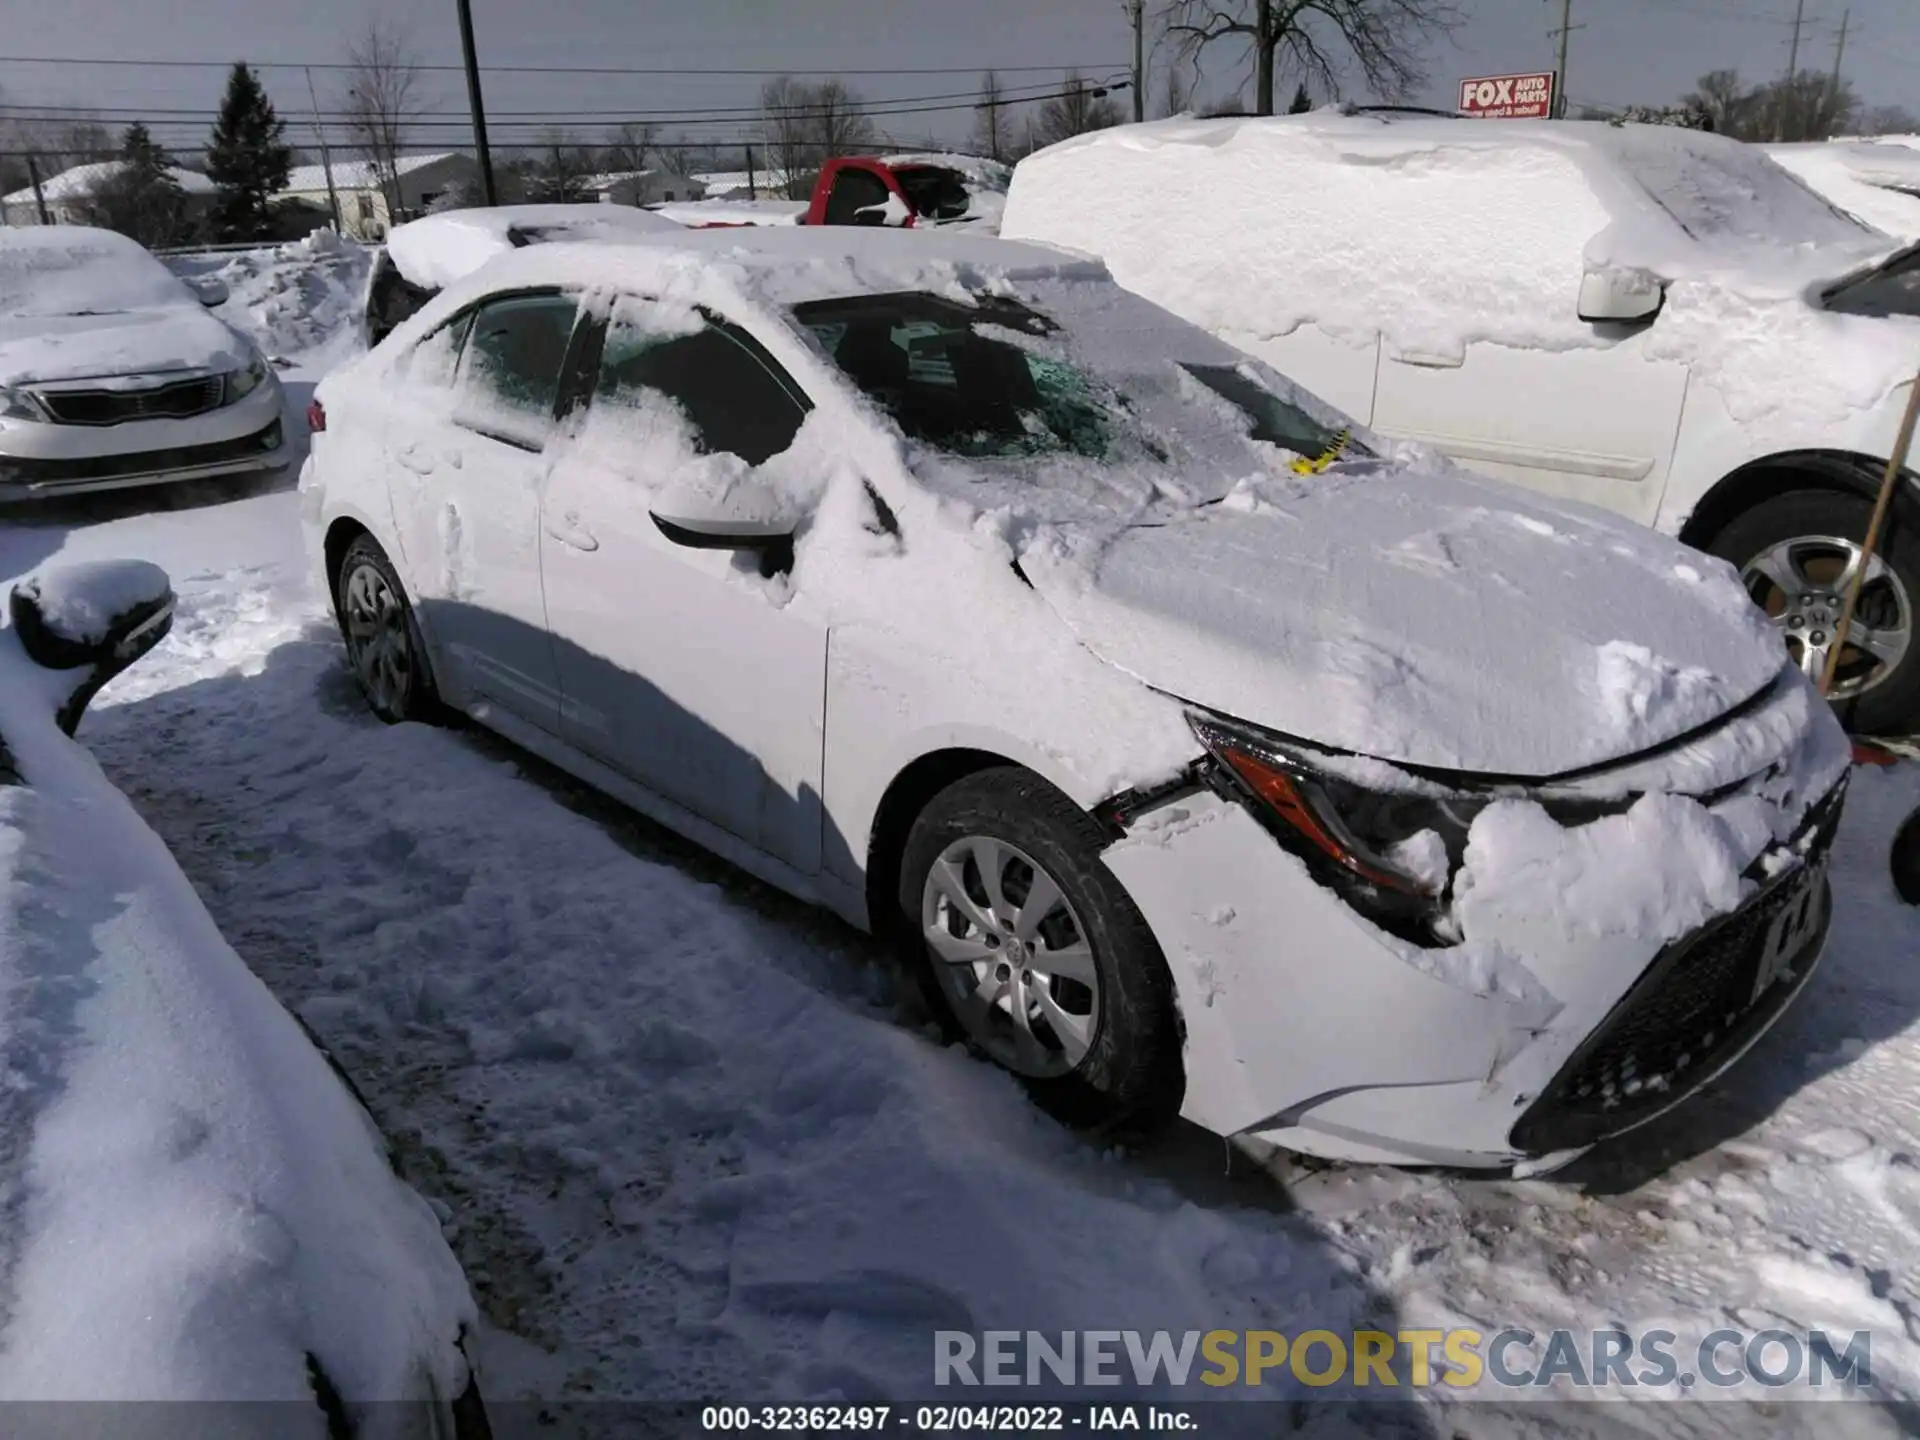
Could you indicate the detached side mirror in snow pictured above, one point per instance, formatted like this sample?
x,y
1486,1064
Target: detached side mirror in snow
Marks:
x,y
91,621
1620,296
210,289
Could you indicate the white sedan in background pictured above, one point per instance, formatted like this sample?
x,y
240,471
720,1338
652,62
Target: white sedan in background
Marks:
x,y
1201,751
112,374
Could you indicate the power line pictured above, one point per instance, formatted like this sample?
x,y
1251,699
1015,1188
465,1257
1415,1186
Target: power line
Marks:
x,y
555,69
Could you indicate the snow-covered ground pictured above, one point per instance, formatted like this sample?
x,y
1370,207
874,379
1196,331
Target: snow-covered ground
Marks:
x,y
695,1141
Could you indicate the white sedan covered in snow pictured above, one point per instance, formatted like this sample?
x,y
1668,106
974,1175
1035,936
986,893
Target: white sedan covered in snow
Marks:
x,y
1654,320
198,1208
112,374
1202,749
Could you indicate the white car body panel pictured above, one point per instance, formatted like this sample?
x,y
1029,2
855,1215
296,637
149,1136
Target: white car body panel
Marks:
x,y
1305,1025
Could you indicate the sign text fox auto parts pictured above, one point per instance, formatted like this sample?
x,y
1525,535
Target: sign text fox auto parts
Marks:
x,y
1508,97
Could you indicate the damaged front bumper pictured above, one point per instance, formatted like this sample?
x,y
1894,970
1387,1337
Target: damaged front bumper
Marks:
x,y
1310,1029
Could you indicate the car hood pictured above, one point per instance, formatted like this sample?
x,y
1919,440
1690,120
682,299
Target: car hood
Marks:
x,y
1417,614
163,340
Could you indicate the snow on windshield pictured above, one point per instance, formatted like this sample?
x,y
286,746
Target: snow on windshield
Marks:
x,y
71,270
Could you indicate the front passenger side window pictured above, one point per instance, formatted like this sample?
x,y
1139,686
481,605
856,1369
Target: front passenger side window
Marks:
x,y
718,379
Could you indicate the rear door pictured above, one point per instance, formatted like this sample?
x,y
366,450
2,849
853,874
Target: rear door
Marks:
x,y
468,476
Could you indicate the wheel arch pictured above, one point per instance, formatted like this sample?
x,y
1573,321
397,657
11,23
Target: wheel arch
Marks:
x,y
908,794
341,533
1758,481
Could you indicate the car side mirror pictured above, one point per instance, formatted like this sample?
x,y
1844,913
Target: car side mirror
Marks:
x,y
210,289
748,515
1620,296
89,621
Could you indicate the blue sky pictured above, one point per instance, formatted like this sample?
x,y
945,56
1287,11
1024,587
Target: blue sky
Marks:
x,y
1630,50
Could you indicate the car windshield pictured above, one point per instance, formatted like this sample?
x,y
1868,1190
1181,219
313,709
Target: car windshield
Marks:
x,y
955,377
936,193
82,276
1274,420
1723,192
1889,289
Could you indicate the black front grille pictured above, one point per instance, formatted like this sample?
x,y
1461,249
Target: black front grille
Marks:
x,y
1692,1008
55,473
177,401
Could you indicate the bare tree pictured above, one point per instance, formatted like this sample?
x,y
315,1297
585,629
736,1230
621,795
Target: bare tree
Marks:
x,y
1807,106
1728,102
561,165
807,124
991,135
1888,120
382,102
1177,98
1385,40
1078,108
629,145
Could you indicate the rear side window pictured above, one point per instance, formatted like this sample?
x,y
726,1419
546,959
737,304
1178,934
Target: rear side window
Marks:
x,y
435,359
728,390
854,191
515,352
392,300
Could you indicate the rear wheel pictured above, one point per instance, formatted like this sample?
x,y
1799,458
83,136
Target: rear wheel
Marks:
x,y
1797,554
1034,954
384,647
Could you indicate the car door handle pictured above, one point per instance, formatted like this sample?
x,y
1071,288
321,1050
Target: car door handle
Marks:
x,y
1427,359
568,530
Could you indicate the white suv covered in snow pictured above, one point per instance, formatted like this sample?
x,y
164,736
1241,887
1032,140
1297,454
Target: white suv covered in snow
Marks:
x,y
1198,753
1653,320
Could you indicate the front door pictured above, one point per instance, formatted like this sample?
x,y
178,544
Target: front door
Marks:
x,y
686,669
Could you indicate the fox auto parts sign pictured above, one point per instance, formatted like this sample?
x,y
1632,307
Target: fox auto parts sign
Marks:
x,y
1508,97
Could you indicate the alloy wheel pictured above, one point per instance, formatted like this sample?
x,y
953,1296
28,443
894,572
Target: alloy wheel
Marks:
x,y
379,639
1802,584
1012,957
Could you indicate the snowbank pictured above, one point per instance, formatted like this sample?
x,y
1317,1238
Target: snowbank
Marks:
x,y
295,301
1438,234
197,1203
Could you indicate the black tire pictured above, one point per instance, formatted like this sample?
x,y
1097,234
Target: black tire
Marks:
x,y
1891,705
1905,860
414,696
1130,1081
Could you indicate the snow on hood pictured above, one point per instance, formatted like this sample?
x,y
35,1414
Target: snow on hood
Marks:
x,y
195,1200
1437,234
436,250
1419,614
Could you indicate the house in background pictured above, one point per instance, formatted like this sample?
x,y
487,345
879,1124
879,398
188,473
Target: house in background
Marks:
x,y
766,184
68,194
643,187
366,211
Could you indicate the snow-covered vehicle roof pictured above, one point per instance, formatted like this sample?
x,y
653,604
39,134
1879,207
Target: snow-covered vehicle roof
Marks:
x,y
1348,222
198,1208
1592,637
1875,180
435,250
79,303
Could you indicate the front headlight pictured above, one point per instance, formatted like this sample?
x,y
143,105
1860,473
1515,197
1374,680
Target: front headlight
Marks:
x,y
242,383
19,405
1390,855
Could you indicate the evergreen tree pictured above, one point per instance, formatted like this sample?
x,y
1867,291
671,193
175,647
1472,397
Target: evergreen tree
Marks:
x,y
140,198
1302,101
247,158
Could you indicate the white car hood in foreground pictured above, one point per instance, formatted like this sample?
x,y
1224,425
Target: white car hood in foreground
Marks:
x,y
165,339
1421,616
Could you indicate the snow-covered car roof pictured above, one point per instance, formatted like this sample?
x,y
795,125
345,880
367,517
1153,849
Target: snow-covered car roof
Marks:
x,y
436,250
789,265
75,269
198,1209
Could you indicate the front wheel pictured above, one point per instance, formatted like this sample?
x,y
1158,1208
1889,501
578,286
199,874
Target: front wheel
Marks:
x,y
384,647
1797,554
1032,952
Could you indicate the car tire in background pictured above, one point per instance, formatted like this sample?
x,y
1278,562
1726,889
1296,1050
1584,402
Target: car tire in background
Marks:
x,y
1008,912
384,647
1793,553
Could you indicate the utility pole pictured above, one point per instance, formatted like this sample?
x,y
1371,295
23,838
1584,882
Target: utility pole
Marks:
x,y
1137,17
39,198
1785,100
1833,80
1567,27
484,155
753,189
326,155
